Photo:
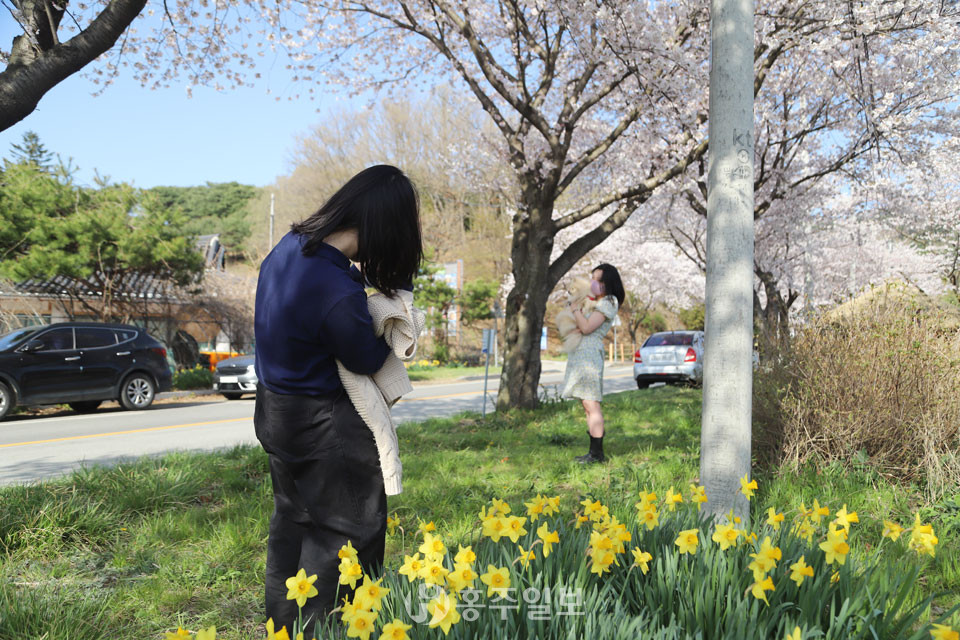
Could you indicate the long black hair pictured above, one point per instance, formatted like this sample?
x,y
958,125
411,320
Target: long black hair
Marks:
x,y
612,284
382,204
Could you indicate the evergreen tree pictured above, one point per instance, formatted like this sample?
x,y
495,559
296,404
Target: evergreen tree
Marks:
x,y
31,151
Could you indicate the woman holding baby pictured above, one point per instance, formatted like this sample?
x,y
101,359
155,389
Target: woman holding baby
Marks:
x,y
584,374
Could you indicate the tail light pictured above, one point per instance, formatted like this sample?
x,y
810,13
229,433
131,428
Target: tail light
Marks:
x,y
636,358
160,351
691,355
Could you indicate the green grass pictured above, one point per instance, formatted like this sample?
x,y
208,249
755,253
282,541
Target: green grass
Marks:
x,y
449,373
130,551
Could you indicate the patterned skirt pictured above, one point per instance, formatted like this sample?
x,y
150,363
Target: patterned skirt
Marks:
x,y
583,377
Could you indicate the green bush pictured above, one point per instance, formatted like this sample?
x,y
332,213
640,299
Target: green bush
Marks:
x,y
195,378
694,317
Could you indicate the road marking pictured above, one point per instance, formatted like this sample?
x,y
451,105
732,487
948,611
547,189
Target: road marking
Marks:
x,y
120,433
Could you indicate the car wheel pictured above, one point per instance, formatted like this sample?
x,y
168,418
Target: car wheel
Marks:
x,y
87,406
642,385
137,392
233,396
6,400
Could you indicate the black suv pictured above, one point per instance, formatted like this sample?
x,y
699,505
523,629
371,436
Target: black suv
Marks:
x,y
81,364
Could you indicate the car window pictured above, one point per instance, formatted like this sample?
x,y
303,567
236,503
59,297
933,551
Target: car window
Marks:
x,y
669,340
17,337
125,334
57,340
88,338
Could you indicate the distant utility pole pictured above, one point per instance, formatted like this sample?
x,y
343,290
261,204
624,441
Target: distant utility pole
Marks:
x,y
728,350
271,221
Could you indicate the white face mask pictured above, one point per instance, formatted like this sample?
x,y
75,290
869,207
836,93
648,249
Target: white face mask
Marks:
x,y
596,287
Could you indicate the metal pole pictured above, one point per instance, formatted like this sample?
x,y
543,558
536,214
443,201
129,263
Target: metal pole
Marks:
x,y
271,221
487,339
728,350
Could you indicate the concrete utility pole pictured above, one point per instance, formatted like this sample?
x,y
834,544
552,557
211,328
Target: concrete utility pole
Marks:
x,y
728,350
271,221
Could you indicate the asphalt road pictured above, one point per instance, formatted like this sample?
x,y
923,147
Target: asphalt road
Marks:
x,y
34,448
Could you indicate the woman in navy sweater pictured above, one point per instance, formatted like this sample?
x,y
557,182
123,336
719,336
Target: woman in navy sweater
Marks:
x,y
311,310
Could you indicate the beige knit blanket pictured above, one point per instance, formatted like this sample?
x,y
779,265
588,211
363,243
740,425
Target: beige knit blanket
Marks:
x,y
400,323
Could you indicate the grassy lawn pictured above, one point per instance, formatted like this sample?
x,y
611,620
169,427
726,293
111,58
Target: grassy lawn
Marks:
x,y
450,373
129,552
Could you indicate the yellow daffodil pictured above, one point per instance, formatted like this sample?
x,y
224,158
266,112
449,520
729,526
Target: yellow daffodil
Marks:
x,y
799,570
496,579
748,538
553,506
461,577
943,632
698,495
820,512
395,630
434,573
300,587
774,519
732,519
209,633
432,546
347,609
549,538
599,541
580,520
514,528
747,487
835,547
411,567
805,530
350,572
370,594
465,555
796,634
495,527
835,577
687,541
426,527
922,538
844,519
500,507
641,559
650,518
392,523
759,589
535,507
891,530
725,535
279,635
180,634
673,499
759,569
443,612
600,561
526,556
362,624
347,552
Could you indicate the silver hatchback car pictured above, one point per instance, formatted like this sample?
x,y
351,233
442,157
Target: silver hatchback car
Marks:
x,y
235,377
670,356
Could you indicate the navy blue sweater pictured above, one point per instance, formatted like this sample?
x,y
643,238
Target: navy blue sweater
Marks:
x,y
311,310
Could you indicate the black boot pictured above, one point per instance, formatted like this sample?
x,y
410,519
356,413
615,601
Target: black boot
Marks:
x,y
596,452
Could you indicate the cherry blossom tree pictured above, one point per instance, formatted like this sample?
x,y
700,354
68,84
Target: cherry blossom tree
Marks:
x,y
851,86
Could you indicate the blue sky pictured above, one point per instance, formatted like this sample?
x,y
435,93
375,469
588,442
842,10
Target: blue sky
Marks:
x,y
162,137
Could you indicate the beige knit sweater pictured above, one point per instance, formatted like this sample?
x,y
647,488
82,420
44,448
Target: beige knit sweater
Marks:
x,y
400,323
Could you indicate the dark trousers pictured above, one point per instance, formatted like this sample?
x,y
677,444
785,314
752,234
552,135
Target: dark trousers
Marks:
x,y
327,489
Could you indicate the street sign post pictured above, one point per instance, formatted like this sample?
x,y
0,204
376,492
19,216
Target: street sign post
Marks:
x,y
489,340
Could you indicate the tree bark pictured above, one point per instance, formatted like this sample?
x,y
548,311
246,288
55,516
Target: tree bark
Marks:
x,y
728,350
37,65
532,244
773,320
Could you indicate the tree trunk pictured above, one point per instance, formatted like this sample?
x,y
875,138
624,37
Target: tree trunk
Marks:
x,y
527,302
773,320
728,350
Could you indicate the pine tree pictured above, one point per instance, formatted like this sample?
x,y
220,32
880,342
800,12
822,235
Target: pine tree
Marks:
x,y
31,151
